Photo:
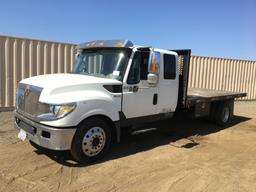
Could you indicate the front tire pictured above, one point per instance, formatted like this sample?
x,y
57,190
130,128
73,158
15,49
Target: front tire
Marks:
x,y
91,140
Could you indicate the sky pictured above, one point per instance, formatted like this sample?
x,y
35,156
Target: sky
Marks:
x,y
221,28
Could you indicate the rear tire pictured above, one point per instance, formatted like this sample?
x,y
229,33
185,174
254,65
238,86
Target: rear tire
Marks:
x,y
223,113
91,140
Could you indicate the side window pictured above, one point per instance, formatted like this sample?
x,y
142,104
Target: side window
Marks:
x,y
134,73
144,65
169,66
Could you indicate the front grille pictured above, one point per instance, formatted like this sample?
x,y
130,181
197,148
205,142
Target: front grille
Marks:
x,y
27,101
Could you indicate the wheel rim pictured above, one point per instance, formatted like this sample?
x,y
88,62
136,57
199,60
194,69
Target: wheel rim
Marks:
x,y
94,141
225,114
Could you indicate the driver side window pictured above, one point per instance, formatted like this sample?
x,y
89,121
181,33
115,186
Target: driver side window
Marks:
x,y
139,67
134,73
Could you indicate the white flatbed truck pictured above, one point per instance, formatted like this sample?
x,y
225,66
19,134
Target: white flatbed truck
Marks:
x,y
114,85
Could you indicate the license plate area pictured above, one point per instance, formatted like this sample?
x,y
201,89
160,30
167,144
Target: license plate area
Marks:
x,y
22,135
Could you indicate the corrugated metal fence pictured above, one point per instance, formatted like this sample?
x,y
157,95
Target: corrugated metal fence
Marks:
x,y
22,57
223,74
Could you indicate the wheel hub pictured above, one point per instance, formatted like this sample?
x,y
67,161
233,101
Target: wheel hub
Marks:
x,y
225,115
94,141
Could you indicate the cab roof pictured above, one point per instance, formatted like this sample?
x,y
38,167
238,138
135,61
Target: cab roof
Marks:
x,y
125,43
106,43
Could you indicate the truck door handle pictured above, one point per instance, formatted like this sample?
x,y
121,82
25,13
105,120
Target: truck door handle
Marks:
x,y
155,97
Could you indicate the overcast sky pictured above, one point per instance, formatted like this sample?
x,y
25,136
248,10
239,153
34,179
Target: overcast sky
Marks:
x,y
222,28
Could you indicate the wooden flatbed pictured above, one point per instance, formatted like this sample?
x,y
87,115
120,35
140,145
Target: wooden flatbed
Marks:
x,y
195,95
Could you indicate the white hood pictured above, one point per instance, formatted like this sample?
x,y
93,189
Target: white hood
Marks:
x,y
65,88
66,79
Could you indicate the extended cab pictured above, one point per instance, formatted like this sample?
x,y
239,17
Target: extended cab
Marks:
x,y
114,85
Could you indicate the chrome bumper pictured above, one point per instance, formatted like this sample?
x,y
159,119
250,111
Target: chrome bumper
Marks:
x,y
45,136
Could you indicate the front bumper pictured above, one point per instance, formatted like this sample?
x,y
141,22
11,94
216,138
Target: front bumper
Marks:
x,y
45,136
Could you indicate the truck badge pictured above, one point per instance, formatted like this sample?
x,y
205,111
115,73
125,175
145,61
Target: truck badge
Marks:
x,y
27,91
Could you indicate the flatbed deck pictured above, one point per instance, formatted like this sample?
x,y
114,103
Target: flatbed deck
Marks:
x,y
196,95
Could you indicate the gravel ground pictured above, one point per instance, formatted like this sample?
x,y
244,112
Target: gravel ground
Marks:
x,y
190,155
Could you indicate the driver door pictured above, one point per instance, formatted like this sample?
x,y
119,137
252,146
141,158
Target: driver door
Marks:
x,y
139,98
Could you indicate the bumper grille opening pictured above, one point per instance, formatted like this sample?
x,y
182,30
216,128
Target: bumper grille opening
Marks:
x,y
46,134
17,120
34,130
26,127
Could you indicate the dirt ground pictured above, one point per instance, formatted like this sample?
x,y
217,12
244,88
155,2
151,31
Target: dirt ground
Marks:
x,y
189,155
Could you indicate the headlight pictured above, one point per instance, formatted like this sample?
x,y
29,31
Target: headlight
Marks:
x,y
57,112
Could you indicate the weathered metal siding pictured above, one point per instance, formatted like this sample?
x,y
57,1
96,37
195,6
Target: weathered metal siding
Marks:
x,y
21,58
223,74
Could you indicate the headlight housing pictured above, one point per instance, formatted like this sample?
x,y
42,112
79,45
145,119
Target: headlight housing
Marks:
x,y
57,112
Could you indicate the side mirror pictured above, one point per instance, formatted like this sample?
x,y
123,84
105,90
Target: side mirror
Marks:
x,y
152,79
153,67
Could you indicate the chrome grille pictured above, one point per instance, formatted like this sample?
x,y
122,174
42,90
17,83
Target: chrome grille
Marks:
x,y
27,101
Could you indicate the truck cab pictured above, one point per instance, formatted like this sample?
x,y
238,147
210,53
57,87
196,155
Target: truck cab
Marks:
x,y
114,85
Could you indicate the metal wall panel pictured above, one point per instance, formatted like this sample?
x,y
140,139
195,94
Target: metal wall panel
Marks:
x,y
223,74
21,58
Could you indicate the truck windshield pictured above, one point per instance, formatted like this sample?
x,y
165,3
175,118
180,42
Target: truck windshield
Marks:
x,y
106,63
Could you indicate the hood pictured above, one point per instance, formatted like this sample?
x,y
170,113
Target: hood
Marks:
x,y
66,88
66,79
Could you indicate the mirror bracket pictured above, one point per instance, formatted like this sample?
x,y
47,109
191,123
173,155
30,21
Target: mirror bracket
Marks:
x,y
152,79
